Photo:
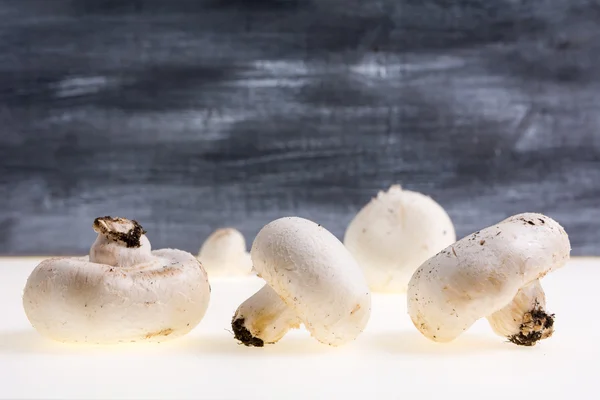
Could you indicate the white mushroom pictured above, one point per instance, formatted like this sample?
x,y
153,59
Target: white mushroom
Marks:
x,y
121,292
311,279
394,234
493,273
224,253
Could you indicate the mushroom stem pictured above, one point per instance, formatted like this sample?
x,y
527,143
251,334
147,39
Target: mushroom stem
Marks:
x,y
524,320
120,243
263,318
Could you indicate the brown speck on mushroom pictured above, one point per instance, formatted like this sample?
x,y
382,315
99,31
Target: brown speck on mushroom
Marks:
x,y
482,242
164,332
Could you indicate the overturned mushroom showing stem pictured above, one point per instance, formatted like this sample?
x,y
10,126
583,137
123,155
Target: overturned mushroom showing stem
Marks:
x,y
224,253
122,292
493,273
311,279
394,234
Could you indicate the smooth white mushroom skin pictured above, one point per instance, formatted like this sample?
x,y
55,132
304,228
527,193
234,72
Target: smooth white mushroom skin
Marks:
x,y
394,234
491,273
224,253
311,279
122,292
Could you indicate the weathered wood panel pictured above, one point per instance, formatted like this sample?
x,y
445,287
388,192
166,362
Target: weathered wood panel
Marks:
x,y
189,115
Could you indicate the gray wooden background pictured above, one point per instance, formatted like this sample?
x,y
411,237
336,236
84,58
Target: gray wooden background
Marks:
x,y
193,114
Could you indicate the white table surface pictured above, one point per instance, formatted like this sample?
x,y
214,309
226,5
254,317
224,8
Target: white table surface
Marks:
x,y
391,360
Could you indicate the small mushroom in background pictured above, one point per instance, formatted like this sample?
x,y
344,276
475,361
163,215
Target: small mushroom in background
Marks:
x,y
122,292
394,234
493,273
311,279
224,253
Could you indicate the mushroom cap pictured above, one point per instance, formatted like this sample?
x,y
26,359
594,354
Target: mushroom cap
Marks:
x,y
75,300
224,253
314,274
394,234
482,273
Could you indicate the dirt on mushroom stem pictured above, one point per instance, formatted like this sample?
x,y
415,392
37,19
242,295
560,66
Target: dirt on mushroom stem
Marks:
x,y
131,238
242,334
537,325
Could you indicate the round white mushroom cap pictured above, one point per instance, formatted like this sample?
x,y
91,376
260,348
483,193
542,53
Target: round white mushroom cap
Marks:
x,y
311,278
224,253
394,234
492,273
122,292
